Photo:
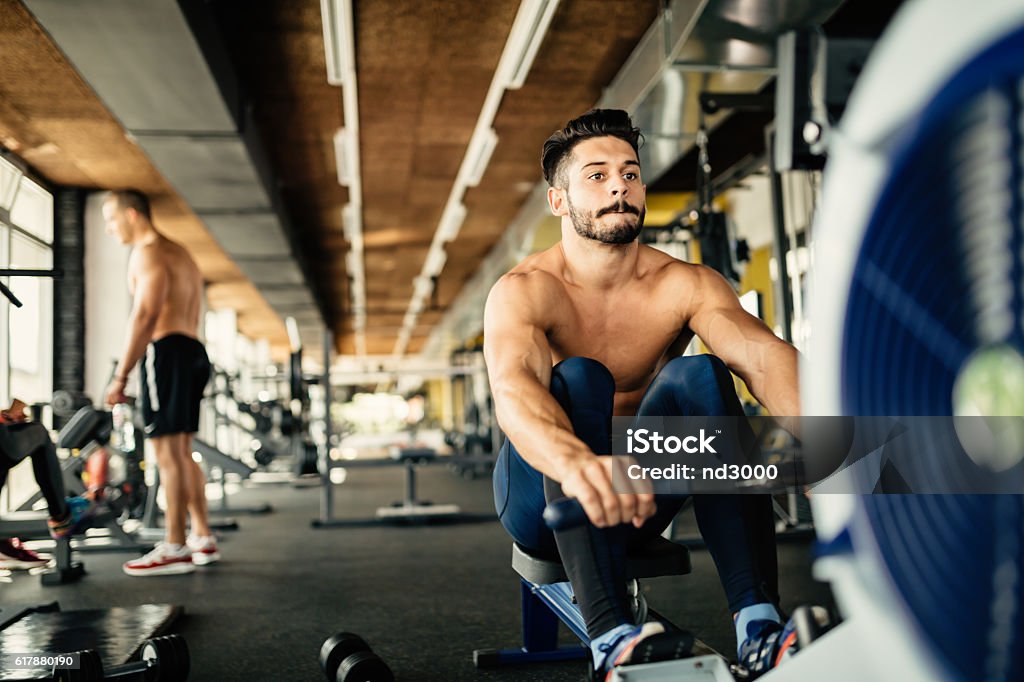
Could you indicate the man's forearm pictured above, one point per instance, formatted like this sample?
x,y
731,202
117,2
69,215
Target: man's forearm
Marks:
x,y
777,384
140,332
538,426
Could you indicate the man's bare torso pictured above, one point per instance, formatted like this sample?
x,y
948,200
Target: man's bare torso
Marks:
x,y
180,311
632,330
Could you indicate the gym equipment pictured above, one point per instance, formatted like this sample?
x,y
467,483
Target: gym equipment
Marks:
x,y
65,403
471,456
274,430
90,432
55,273
163,659
410,509
19,438
346,657
547,598
114,635
917,283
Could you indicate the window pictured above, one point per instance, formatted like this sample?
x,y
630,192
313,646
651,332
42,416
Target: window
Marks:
x,y
33,211
30,328
26,349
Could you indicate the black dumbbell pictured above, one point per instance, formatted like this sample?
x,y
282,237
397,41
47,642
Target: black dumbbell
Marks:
x,y
163,659
65,403
346,657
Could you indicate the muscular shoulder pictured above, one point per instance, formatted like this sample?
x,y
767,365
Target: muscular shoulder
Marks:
x,y
527,292
531,289
147,259
662,269
175,256
687,285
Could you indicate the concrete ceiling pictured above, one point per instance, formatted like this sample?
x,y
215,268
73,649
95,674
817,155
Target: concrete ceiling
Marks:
x,y
270,240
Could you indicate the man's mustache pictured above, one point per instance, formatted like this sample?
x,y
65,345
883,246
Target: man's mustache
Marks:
x,y
621,207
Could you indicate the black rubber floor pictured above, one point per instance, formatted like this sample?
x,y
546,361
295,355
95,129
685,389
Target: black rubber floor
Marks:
x,y
423,596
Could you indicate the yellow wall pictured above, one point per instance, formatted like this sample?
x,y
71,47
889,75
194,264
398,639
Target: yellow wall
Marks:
x,y
758,277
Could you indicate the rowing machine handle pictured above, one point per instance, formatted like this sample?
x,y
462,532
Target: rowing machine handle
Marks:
x,y
564,513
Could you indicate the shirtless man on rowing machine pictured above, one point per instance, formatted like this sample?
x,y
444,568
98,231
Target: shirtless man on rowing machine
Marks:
x,y
592,328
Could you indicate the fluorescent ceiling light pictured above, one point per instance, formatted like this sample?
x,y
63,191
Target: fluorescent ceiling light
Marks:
x,y
480,154
451,223
344,148
336,16
422,287
354,265
435,262
352,226
532,21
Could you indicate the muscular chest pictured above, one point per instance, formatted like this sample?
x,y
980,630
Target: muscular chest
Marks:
x,y
628,334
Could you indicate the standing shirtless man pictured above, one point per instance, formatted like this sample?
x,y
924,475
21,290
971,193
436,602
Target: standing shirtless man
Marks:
x,y
166,288
594,328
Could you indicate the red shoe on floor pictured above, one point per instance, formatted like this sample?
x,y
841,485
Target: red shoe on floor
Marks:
x,y
14,556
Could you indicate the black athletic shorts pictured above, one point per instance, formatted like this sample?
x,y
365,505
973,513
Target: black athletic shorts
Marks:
x,y
174,375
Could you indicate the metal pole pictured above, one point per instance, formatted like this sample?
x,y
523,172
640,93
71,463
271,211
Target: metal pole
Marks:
x,y
410,483
783,296
327,497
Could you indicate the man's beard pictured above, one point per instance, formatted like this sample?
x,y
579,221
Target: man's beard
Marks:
x,y
622,232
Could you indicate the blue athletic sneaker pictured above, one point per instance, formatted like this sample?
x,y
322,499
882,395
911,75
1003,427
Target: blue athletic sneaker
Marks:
x,y
645,643
80,511
767,644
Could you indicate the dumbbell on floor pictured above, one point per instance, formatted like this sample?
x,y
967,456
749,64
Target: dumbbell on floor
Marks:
x,y
346,657
163,659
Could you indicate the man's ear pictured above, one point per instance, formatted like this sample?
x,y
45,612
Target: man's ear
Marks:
x,y
557,201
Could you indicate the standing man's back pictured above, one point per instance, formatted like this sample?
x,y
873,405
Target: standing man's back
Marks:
x,y
180,312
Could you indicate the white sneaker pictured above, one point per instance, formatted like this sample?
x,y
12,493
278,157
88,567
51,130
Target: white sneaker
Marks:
x,y
165,559
204,549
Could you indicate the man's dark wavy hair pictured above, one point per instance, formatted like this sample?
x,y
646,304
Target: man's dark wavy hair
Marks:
x,y
594,123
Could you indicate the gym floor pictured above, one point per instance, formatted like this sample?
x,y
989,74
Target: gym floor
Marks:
x,y
424,597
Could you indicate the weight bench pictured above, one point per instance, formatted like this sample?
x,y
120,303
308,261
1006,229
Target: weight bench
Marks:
x,y
411,508
547,598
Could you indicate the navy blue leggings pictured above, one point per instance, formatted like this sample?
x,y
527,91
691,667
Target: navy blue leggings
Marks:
x,y
738,530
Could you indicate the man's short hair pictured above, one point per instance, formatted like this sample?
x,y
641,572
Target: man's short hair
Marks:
x,y
131,198
594,123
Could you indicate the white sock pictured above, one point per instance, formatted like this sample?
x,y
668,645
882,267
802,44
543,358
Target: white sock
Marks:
x,y
748,614
606,640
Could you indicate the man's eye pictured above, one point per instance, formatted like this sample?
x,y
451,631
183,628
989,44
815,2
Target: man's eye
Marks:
x,y
631,176
596,176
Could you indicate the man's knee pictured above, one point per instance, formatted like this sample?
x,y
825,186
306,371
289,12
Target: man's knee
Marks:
x,y
582,375
167,451
697,368
703,382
